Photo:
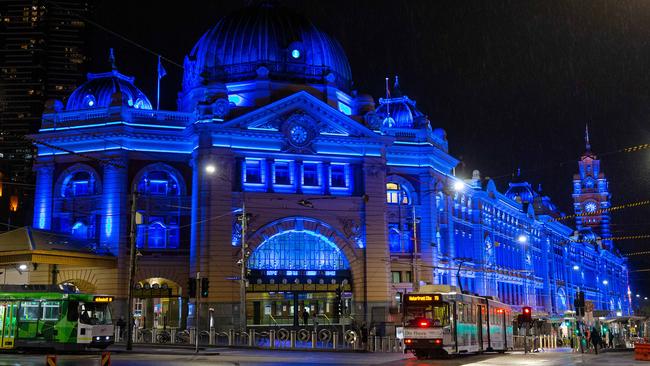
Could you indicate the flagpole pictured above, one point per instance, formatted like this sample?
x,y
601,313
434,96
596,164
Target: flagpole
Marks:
x,y
158,89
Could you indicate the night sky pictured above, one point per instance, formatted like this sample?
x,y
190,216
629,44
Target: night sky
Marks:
x,y
513,83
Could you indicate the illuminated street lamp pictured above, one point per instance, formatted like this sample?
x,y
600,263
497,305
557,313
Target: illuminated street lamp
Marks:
x,y
459,186
605,282
522,239
576,267
210,169
22,267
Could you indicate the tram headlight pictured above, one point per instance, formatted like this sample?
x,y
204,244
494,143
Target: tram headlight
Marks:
x,y
108,338
97,338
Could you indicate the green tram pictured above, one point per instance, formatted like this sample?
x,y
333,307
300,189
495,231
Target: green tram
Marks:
x,y
447,323
53,317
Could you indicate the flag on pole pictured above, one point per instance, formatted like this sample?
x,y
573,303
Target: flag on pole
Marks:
x,y
161,73
161,70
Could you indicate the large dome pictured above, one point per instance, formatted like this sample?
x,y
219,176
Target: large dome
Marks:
x,y
287,44
99,90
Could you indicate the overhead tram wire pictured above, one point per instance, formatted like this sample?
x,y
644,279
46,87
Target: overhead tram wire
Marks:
x,y
113,33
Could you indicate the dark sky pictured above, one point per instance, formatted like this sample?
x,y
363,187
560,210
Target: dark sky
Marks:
x,y
512,82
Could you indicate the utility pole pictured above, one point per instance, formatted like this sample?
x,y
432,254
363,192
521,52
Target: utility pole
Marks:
x,y
416,275
198,311
132,255
242,280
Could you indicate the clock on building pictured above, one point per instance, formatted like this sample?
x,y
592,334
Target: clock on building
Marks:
x,y
298,134
590,207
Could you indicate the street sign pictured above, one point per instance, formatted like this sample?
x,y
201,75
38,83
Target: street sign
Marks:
x,y
233,278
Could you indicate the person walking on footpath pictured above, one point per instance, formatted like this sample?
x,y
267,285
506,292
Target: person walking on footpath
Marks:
x,y
305,317
595,338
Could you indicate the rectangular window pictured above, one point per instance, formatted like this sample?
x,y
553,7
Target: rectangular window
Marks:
x,y
51,310
29,310
253,171
310,174
407,276
396,276
338,176
158,186
80,188
282,172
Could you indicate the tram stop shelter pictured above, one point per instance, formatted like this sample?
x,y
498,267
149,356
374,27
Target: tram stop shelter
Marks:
x,y
30,256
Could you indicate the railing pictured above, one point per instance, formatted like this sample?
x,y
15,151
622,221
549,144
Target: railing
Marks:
x,y
534,343
274,338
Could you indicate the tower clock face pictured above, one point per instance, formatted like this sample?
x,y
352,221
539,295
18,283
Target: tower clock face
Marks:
x,y
590,207
298,134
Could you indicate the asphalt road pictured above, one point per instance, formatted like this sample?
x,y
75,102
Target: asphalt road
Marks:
x,y
242,357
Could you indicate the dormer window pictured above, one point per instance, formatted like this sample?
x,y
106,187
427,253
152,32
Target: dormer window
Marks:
x,y
89,101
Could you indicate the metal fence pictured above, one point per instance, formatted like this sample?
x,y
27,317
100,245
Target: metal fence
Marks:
x,y
277,338
534,343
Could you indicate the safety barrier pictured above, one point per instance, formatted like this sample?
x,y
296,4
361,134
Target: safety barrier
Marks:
x,y
534,343
323,338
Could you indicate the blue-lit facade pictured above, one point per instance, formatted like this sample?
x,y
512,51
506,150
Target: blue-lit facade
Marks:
x,y
341,191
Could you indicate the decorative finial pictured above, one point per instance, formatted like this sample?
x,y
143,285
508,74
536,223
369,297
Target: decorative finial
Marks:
x,y
587,144
539,188
387,97
518,172
111,59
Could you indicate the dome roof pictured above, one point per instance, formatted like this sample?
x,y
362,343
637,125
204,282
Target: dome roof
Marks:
x,y
399,112
98,92
521,192
287,44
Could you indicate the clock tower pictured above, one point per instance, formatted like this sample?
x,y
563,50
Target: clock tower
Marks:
x,y
591,197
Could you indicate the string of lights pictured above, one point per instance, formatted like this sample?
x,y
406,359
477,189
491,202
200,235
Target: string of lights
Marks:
x,y
604,210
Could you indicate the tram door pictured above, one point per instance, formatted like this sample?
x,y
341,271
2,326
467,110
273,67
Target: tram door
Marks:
x,y
479,327
7,324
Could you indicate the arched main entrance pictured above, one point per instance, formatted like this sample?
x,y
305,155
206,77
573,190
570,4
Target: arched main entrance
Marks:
x,y
298,267
157,303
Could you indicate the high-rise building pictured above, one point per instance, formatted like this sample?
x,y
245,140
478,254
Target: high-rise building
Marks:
x,y
42,58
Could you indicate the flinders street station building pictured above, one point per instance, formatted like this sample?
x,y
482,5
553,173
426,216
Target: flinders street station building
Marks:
x,y
272,162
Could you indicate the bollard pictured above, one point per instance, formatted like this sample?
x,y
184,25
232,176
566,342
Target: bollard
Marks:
x,y
272,339
554,342
192,336
172,335
374,348
154,335
313,339
117,334
231,336
211,337
251,338
50,360
293,339
335,340
106,359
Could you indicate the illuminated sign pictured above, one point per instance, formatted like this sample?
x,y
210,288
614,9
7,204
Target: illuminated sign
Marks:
x,y
103,299
422,298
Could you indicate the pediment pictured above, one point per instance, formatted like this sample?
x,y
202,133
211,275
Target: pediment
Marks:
x,y
305,109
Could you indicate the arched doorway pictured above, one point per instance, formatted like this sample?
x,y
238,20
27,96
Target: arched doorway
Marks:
x,y
157,303
298,268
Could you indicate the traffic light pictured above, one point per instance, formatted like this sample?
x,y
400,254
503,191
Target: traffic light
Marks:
x,y
191,287
579,303
205,284
527,314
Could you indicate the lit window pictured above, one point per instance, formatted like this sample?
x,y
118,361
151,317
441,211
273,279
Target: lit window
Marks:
x,y
394,238
89,100
282,172
80,183
396,194
337,176
158,183
310,174
253,171
80,230
396,276
156,235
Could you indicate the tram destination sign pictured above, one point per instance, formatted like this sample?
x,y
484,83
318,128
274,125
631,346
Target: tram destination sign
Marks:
x,y
418,333
423,298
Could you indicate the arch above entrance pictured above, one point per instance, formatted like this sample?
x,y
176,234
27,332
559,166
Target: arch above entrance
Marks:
x,y
314,233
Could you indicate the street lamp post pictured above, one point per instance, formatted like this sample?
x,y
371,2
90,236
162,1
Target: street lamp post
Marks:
x,y
132,256
242,280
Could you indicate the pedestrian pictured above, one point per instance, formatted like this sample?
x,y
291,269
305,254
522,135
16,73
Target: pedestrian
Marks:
x,y
305,317
364,335
595,338
121,325
314,320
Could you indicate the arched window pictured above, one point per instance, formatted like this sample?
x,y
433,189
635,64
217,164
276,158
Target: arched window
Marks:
x,y
397,194
159,183
80,230
158,235
298,250
79,183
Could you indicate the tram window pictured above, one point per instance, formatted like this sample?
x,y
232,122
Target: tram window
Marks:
x,y
95,313
29,310
51,310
